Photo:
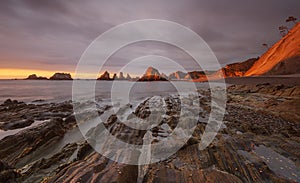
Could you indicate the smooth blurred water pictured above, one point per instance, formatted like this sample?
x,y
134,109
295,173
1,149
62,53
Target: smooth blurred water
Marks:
x,y
57,91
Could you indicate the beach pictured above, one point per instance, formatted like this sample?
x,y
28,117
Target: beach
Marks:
x,y
42,142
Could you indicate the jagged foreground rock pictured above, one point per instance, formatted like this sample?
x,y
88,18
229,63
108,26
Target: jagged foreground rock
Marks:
x,y
253,145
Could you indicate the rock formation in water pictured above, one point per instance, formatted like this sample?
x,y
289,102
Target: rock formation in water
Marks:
x,y
104,76
135,78
164,75
195,75
61,76
187,77
178,75
152,74
121,76
128,77
115,77
35,77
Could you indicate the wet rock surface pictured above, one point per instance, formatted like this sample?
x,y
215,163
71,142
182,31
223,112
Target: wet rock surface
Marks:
x,y
256,143
16,114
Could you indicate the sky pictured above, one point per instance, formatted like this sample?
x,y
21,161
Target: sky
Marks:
x,y
39,36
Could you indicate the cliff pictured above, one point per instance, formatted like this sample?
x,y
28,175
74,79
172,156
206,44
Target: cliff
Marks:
x,y
282,58
236,69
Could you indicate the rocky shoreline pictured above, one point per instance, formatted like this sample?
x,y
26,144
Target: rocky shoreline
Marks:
x,y
258,142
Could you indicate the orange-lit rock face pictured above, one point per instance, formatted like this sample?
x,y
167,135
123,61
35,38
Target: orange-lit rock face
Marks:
x,y
152,74
231,70
282,58
238,69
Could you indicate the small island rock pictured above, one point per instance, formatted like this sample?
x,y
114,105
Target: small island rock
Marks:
x,y
35,77
105,76
152,74
61,76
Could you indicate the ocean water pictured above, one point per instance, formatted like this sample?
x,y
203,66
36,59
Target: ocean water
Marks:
x,y
57,91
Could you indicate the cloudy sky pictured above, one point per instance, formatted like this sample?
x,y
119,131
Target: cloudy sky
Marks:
x,y
45,36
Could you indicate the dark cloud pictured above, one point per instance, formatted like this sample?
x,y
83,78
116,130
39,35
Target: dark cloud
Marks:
x,y
50,34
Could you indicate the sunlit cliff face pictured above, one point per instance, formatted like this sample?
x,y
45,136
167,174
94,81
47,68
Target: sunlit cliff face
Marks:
x,y
288,48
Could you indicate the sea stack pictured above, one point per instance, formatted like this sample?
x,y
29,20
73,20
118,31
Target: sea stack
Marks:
x,y
35,77
195,75
105,76
61,76
121,76
152,74
164,75
177,75
128,77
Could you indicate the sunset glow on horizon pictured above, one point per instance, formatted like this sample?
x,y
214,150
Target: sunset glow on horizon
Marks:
x,y
47,37
10,73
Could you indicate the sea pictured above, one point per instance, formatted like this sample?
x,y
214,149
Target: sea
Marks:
x,y
47,91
